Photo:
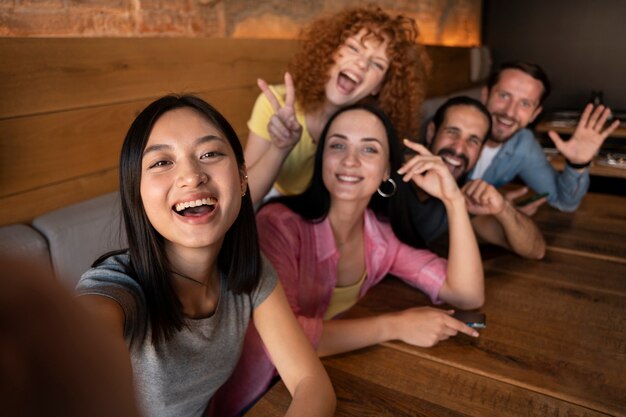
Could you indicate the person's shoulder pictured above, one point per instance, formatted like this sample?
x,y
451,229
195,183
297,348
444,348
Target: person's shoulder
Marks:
x,y
377,227
267,283
523,136
110,275
115,264
276,210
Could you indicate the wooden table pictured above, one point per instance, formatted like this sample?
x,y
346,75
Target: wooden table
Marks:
x,y
555,342
597,228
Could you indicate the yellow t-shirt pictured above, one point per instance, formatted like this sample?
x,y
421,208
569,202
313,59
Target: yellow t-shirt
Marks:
x,y
297,170
344,297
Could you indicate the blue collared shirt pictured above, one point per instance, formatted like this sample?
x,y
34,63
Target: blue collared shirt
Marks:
x,y
522,156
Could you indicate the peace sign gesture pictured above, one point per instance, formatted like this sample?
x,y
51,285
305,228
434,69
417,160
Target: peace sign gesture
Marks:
x,y
588,136
283,127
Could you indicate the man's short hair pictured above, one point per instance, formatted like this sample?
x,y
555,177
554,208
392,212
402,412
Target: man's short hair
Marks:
x,y
529,68
440,114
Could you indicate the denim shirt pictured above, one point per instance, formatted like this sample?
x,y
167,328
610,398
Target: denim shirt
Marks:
x,y
522,156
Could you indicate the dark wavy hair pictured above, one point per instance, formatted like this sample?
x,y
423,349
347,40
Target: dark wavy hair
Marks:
x,y
440,114
313,204
239,259
404,85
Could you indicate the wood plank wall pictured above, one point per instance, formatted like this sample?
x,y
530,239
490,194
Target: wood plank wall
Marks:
x,y
66,103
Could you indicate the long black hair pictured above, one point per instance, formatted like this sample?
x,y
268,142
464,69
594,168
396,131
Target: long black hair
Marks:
x,y
313,203
239,259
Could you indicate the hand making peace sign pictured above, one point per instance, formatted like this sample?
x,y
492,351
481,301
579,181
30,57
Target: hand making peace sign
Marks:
x,y
588,136
283,127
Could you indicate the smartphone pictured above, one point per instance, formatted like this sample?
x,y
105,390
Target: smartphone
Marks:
x,y
473,319
530,199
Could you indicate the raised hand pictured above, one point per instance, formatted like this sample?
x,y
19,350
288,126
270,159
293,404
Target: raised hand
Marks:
x,y
430,173
283,127
483,198
427,326
588,136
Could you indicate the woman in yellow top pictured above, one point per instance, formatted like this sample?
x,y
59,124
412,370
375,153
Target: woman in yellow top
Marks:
x,y
357,54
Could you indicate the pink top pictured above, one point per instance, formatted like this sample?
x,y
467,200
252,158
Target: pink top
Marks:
x,y
305,257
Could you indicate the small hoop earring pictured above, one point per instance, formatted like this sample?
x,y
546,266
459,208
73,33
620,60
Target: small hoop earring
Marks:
x,y
395,188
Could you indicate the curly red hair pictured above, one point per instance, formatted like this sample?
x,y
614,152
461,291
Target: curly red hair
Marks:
x,y
404,86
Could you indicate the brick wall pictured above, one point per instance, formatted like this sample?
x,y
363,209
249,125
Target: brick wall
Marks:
x,y
444,22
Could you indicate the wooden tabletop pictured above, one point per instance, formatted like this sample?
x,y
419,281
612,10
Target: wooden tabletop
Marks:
x,y
596,229
555,342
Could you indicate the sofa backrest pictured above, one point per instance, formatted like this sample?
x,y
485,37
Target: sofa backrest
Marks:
x,y
22,241
78,234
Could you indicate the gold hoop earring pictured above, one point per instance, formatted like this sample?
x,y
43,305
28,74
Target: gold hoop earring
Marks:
x,y
393,191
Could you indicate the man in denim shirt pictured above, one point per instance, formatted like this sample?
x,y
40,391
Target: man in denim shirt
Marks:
x,y
456,135
513,96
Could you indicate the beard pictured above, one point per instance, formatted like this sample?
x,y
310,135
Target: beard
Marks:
x,y
457,171
499,133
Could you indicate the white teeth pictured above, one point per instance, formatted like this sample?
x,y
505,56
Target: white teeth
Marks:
x,y
454,162
351,76
506,122
348,178
195,203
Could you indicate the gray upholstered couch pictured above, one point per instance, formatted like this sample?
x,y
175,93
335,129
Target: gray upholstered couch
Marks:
x,y
68,240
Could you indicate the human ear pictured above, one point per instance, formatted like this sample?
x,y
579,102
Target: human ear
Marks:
x,y
536,113
484,95
430,133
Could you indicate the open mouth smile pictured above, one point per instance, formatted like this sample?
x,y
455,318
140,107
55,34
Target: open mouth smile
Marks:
x,y
197,207
349,178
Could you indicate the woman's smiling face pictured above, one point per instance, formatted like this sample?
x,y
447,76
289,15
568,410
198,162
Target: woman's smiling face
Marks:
x,y
359,70
191,185
356,156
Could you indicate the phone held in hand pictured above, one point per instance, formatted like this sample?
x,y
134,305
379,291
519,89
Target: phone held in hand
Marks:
x,y
473,319
531,199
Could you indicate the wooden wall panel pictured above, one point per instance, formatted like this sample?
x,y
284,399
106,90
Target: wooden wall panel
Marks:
x,y
44,75
43,157
450,71
66,104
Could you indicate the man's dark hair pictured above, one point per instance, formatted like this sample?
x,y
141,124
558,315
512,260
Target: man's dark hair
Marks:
x,y
529,68
440,114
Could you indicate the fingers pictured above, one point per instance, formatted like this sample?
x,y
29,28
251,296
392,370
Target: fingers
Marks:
x,y
277,127
420,149
602,119
459,326
514,194
418,165
556,139
268,94
290,94
607,132
483,198
598,119
584,118
595,116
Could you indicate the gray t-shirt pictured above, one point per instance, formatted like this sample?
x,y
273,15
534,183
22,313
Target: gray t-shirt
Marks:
x,y
180,378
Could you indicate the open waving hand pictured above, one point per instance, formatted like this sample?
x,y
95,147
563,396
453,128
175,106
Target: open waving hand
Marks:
x,y
283,127
588,136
